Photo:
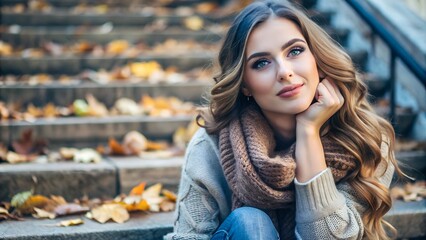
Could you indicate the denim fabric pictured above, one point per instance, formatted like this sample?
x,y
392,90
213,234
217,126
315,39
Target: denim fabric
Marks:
x,y
247,223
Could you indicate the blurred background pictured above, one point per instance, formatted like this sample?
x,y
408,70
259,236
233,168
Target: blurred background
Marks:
x,y
97,96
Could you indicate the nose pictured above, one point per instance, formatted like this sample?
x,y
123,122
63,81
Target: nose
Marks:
x,y
284,70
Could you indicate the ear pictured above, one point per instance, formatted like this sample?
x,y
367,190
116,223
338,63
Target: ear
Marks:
x,y
321,74
245,91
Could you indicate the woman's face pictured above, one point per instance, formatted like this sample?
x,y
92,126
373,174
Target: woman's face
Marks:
x,y
280,72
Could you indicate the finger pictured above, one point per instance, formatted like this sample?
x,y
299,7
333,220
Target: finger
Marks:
x,y
324,95
330,86
339,95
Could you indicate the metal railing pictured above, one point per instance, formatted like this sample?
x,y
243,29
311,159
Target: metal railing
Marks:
x,y
396,48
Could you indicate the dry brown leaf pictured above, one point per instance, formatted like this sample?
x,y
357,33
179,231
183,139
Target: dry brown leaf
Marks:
x,y
37,201
5,215
59,200
67,153
34,111
155,146
135,142
169,195
49,111
194,23
69,209
167,206
116,148
116,212
13,157
117,47
26,145
95,107
40,213
71,222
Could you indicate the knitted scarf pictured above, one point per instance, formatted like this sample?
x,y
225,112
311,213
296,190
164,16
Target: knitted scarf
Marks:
x,y
261,177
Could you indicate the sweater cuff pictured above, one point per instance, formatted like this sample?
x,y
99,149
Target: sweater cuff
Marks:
x,y
318,198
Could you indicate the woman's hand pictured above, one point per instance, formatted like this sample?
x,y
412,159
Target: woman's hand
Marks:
x,y
328,101
310,157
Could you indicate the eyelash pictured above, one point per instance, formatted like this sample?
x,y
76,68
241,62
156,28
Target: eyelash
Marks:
x,y
262,60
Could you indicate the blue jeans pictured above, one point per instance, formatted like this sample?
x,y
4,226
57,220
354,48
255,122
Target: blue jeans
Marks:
x,y
246,223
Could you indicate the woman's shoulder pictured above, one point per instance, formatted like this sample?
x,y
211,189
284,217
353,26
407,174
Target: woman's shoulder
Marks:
x,y
202,150
202,137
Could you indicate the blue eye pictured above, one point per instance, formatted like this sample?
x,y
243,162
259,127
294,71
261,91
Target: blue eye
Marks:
x,y
260,64
295,51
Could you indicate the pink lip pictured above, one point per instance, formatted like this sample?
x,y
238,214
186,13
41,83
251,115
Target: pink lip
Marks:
x,y
290,90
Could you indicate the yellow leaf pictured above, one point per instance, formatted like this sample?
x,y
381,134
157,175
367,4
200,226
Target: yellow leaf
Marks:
x,y
40,213
71,222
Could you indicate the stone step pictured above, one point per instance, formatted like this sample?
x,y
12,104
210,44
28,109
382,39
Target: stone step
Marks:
x,y
116,175
35,36
407,217
107,179
64,95
62,17
75,65
60,132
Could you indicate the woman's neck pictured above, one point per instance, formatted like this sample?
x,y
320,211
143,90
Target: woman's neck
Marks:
x,y
284,127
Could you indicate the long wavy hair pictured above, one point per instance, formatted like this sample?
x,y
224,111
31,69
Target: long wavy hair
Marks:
x,y
355,126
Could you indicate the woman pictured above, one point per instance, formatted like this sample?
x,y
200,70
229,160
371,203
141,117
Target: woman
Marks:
x,y
290,147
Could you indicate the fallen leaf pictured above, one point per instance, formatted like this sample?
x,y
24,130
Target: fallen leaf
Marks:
x,y
71,222
138,190
134,142
13,157
116,212
169,195
153,191
70,208
40,213
194,23
26,145
38,201
139,206
115,147
20,198
67,153
87,155
117,47
167,206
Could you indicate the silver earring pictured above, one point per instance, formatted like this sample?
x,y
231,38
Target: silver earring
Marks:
x,y
248,98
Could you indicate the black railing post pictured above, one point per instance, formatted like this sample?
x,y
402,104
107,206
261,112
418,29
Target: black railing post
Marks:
x,y
392,76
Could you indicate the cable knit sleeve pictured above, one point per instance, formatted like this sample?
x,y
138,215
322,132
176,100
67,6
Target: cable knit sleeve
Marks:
x,y
200,193
325,210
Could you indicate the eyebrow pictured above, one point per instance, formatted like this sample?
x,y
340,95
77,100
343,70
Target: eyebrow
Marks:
x,y
286,45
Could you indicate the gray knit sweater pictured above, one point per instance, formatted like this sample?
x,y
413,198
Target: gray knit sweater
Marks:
x,y
324,210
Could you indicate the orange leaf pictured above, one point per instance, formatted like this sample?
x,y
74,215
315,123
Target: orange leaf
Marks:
x,y
38,201
138,190
116,148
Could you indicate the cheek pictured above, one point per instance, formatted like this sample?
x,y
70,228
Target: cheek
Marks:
x,y
259,83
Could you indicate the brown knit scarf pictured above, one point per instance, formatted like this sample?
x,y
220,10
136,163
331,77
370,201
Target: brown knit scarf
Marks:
x,y
261,177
